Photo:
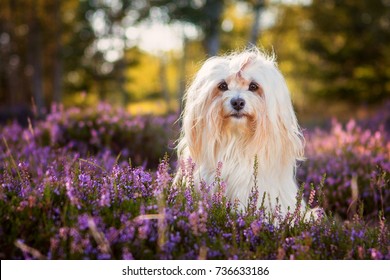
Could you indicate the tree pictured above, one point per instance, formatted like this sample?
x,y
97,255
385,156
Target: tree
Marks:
x,y
206,15
35,59
31,67
334,51
258,6
349,47
50,46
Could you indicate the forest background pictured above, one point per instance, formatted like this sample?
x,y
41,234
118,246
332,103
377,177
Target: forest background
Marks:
x,y
141,54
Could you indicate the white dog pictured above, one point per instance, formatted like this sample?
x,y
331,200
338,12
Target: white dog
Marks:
x,y
239,107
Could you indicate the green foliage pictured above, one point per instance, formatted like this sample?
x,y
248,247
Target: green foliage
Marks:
x,y
336,50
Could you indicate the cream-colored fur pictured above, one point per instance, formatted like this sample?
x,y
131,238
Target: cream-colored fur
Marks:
x,y
267,128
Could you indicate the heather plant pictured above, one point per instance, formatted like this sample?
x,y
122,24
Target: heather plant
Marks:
x,y
89,131
80,210
351,164
59,201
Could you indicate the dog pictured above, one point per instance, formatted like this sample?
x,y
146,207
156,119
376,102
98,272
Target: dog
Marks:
x,y
238,109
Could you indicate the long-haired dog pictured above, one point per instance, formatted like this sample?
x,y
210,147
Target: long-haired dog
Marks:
x,y
238,108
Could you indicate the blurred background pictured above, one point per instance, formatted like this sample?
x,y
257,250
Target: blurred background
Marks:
x,y
141,54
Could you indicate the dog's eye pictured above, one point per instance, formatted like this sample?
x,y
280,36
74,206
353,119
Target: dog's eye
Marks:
x,y
223,86
253,86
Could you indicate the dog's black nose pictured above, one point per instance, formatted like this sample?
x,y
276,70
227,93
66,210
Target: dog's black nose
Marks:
x,y
237,103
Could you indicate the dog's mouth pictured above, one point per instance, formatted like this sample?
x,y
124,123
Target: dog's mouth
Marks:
x,y
238,115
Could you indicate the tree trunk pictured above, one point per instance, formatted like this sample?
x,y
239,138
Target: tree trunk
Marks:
x,y
35,58
211,28
9,70
57,75
255,31
11,75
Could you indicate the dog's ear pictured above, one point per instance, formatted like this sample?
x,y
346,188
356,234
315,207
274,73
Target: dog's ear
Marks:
x,y
291,135
192,120
197,105
192,130
282,124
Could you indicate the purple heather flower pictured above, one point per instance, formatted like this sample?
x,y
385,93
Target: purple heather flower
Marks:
x,y
126,254
375,254
83,221
163,177
256,227
240,222
54,243
63,232
143,230
105,198
218,172
198,220
311,197
357,235
189,172
84,179
70,190
188,193
220,190
103,256
127,233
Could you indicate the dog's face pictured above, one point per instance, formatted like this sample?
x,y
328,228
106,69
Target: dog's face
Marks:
x,y
231,94
241,96
241,100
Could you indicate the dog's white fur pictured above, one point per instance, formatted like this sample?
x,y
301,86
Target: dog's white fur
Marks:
x,y
266,127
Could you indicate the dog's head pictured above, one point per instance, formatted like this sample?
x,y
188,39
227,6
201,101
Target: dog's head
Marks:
x,y
243,96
